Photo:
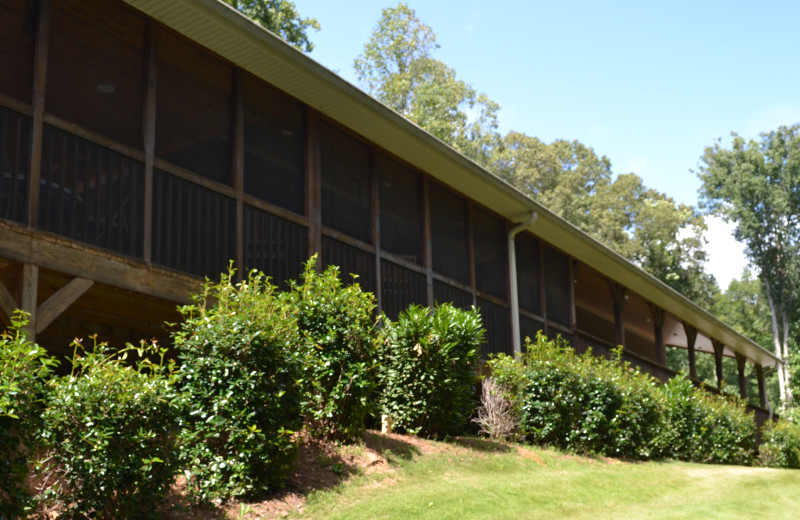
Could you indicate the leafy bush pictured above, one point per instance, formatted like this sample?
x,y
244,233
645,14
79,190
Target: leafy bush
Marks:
x,y
339,351
702,427
239,394
427,369
585,403
24,368
780,446
110,431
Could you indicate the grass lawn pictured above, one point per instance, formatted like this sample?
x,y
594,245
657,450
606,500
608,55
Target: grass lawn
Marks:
x,y
476,480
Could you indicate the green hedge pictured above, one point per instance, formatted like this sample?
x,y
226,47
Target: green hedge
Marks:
x,y
780,446
110,430
338,351
589,404
24,369
427,369
238,390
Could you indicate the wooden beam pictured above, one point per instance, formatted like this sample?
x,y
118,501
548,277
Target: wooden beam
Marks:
x,y
375,208
719,350
238,168
618,300
691,338
59,254
313,185
659,315
741,360
471,255
60,301
30,292
762,387
8,304
149,138
427,243
39,92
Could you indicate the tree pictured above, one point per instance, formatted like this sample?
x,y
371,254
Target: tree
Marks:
x,y
397,67
756,185
642,224
280,17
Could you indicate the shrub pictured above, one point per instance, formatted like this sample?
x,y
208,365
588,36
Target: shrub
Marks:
x,y
587,404
702,427
780,446
339,351
238,391
427,369
110,431
24,367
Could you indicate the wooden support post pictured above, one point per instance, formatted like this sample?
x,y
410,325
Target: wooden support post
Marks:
x,y
740,364
314,185
428,239
8,304
149,138
618,300
762,387
237,168
39,92
473,283
572,273
30,291
375,208
719,350
60,301
542,289
691,338
658,316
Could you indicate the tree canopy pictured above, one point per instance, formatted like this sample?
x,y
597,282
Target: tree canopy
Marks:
x,y
397,67
756,185
280,17
642,224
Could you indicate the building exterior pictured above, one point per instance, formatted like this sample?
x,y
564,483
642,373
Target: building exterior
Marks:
x,y
145,143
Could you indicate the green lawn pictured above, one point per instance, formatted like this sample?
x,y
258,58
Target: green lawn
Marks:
x,y
466,483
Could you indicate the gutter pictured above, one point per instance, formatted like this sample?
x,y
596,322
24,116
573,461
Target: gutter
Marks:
x,y
512,272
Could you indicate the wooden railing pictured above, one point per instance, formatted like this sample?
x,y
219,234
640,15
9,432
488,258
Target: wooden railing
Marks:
x,y
601,348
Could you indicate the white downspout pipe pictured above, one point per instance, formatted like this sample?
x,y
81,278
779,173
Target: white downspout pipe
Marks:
x,y
512,274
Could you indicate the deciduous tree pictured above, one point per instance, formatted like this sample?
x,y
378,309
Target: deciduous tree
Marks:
x,y
756,185
398,68
280,17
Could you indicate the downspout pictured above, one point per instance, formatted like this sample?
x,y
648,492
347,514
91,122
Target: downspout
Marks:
x,y
512,274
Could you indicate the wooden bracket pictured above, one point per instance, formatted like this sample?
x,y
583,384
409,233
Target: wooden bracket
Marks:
x,y
60,301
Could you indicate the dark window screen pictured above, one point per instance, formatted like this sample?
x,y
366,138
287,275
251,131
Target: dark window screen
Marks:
x,y
449,234
345,184
489,238
351,261
556,284
15,134
274,245
497,321
91,193
273,146
94,69
193,126
194,228
401,210
400,287
527,249
528,328
446,293
18,27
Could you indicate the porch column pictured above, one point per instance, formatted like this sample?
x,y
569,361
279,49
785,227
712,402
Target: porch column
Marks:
x,y
659,315
762,387
740,364
719,349
30,290
618,299
691,337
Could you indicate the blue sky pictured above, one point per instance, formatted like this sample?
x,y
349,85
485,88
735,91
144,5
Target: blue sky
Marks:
x,y
649,84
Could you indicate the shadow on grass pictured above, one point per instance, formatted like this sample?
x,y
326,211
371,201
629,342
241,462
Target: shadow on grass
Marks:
x,y
391,448
484,445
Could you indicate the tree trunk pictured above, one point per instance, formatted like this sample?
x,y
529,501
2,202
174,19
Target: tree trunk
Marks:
x,y
776,338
